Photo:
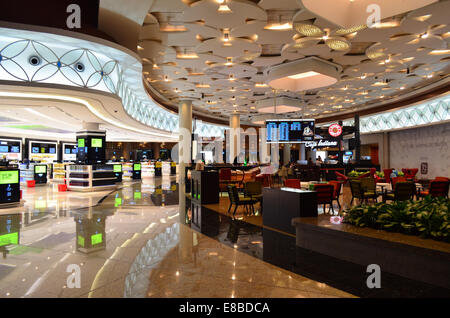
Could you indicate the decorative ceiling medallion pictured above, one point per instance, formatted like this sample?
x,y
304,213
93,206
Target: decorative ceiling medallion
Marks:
x,y
304,74
278,105
348,14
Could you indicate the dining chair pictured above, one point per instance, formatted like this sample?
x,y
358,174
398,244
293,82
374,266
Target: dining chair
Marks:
x,y
337,191
292,183
237,201
325,194
437,189
403,191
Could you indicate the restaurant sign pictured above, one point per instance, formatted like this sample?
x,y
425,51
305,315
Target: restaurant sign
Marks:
x,y
321,143
335,130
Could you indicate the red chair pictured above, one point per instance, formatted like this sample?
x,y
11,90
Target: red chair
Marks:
x,y
410,173
225,174
397,179
292,183
437,189
341,178
337,191
224,179
325,195
387,175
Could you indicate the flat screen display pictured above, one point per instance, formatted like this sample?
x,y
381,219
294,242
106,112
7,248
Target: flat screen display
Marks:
x,y
137,167
117,168
52,150
15,149
96,239
4,149
81,142
74,150
40,169
96,143
290,130
67,151
35,150
9,177
10,238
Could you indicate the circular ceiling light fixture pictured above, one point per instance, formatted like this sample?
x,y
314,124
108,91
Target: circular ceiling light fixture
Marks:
x,y
304,74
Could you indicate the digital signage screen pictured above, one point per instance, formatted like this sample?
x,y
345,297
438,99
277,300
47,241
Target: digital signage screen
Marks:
x,y
96,239
81,142
15,149
96,143
290,130
4,149
10,238
137,167
40,169
9,177
117,168
52,150
35,150
67,151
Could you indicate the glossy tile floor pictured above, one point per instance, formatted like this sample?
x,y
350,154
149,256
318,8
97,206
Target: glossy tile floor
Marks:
x,y
130,243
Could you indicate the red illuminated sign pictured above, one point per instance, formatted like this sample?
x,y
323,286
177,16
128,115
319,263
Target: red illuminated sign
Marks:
x,y
335,130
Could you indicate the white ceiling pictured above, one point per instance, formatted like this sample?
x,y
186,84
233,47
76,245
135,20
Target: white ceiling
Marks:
x,y
381,63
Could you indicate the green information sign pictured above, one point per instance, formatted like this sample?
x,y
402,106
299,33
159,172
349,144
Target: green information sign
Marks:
x,y
137,167
8,177
10,238
81,142
117,202
96,239
137,195
96,143
40,169
80,241
117,168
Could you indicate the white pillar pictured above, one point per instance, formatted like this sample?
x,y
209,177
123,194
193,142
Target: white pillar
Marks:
x,y
302,152
184,152
286,154
235,125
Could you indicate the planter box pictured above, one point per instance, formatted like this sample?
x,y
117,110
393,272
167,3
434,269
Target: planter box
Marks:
x,y
404,255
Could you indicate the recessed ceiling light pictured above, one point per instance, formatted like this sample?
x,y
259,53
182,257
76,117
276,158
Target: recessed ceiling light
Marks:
x,y
260,85
439,52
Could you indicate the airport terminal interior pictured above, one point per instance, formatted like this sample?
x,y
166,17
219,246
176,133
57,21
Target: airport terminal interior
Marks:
x,y
225,149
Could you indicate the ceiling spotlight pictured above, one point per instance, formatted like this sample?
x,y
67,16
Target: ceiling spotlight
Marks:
x,y
363,76
261,85
429,75
226,35
402,88
166,78
223,7
425,35
229,61
231,77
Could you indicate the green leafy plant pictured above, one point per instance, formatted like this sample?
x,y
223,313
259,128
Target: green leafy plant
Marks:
x,y
355,174
380,174
429,218
400,174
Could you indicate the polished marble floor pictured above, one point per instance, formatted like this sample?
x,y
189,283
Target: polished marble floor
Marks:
x,y
131,243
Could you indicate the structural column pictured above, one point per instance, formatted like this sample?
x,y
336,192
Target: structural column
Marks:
x,y
286,154
235,125
184,152
302,152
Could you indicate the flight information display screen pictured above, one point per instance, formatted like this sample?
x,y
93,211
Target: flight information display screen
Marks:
x,y
290,130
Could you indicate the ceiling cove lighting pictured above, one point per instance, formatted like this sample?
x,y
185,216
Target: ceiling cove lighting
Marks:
x,y
84,103
278,105
303,74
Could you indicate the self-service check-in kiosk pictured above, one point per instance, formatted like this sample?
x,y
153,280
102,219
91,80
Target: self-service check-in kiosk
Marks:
x,y
137,171
40,174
